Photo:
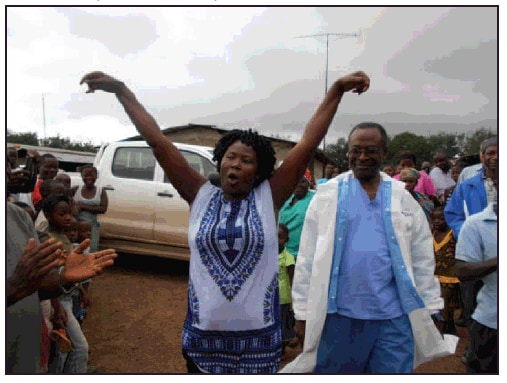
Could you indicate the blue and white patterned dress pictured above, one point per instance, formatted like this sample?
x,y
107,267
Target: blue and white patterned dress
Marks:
x,y
233,316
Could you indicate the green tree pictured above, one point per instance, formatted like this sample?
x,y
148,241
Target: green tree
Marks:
x,y
473,141
29,138
406,141
66,143
448,142
51,142
338,153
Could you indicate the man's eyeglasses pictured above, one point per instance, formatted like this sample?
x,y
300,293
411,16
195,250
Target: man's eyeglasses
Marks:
x,y
369,151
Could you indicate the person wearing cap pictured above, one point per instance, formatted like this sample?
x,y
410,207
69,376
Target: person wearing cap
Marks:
x,y
410,177
293,212
474,194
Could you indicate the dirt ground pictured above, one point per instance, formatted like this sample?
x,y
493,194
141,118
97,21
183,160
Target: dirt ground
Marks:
x,y
135,322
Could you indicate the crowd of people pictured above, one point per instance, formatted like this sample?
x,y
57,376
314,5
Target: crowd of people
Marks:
x,y
363,268
50,265
342,260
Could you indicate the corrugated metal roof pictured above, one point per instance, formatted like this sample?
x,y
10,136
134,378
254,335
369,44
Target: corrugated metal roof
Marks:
x,y
63,155
319,153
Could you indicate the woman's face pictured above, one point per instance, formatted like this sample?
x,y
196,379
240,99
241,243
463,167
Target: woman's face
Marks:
x,y
409,183
301,189
238,171
89,177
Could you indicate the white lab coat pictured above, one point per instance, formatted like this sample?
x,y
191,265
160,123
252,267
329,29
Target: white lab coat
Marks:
x,y
312,274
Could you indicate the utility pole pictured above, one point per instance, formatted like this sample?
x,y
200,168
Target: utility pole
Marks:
x,y
338,35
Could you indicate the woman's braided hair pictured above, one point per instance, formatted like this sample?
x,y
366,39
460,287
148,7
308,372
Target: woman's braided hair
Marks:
x,y
261,145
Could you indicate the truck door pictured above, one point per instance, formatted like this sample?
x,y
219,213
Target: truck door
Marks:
x,y
129,183
171,210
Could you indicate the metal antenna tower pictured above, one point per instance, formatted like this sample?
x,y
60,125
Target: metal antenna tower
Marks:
x,y
338,35
44,119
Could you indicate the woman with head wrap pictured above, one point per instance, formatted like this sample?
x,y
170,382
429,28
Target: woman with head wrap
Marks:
x,y
410,177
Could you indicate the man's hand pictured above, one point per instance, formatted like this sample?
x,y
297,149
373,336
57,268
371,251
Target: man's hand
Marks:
x,y
34,264
101,81
79,267
300,329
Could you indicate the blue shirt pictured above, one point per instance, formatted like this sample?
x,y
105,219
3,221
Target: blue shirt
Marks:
x,y
478,242
469,172
366,286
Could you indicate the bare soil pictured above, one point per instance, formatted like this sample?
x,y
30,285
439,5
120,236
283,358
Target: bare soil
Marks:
x,y
135,323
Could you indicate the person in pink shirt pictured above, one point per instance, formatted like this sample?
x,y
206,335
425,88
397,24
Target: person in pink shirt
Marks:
x,y
424,183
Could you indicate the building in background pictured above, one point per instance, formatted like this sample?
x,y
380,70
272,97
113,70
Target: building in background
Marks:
x,y
68,160
208,135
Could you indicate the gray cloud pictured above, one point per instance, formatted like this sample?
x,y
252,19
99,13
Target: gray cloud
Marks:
x,y
121,35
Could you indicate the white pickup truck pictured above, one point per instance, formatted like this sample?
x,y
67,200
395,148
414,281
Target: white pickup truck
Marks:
x,y
145,215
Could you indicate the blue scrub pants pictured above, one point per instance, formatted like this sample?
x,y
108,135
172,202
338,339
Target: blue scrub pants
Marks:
x,y
352,346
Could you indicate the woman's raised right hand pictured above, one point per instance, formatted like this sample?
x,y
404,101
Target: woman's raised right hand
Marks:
x,y
101,81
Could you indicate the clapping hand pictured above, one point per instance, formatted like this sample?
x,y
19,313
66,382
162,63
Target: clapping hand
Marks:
x,y
79,267
34,264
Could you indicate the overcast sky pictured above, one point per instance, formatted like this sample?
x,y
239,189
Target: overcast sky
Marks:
x,y
432,68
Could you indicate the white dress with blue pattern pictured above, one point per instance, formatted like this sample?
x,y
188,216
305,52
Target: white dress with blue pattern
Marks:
x,y
233,316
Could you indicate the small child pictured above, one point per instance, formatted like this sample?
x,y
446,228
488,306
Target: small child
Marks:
x,y
84,229
72,232
57,209
65,180
286,265
78,302
444,245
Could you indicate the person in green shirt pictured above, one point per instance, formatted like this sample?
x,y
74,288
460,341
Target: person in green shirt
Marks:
x,y
293,212
286,264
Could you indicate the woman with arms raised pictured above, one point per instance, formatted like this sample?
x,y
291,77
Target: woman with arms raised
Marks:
x,y
233,320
